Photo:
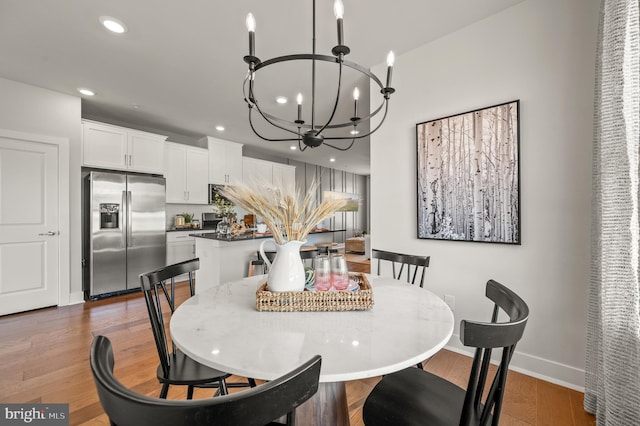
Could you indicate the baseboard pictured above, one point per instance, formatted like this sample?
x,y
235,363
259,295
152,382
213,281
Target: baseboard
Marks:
x,y
540,368
76,297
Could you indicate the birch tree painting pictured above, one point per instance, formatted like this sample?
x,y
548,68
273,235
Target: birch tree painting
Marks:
x,y
468,176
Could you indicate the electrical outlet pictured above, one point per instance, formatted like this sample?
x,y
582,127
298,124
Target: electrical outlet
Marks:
x,y
451,301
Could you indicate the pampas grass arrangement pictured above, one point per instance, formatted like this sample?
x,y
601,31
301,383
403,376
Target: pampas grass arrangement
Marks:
x,y
288,215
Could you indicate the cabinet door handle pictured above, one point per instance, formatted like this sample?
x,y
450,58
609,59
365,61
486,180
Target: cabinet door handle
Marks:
x,y
129,159
125,159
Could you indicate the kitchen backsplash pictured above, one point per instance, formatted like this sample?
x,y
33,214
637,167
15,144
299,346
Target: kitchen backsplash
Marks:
x,y
175,209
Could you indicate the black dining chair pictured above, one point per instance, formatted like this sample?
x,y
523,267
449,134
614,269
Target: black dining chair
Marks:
x,y
175,367
254,407
417,397
410,261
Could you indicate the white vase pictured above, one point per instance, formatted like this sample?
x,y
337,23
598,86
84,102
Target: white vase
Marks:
x,y
286,272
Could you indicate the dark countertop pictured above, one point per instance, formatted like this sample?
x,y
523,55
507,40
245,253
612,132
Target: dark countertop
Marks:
x,y
191,230
250,236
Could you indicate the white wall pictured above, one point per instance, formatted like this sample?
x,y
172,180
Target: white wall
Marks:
x,y
31,109
543,53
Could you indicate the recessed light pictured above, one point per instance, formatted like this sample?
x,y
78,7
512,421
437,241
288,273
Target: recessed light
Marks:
x,y
355,132
293,148
281,100
86,92
220,128
333,160
112,24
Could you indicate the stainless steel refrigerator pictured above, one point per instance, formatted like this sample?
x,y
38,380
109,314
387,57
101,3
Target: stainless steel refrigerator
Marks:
x,y
124,230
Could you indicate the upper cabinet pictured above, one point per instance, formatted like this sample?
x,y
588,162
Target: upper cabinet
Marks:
x,y
187,174
225,161
283,173
113,147
255,170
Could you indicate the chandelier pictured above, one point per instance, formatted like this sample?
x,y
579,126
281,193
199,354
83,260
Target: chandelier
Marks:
x,y
313,134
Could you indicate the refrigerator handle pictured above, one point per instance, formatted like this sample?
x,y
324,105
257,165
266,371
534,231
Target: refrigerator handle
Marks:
x,y
129,220
122,210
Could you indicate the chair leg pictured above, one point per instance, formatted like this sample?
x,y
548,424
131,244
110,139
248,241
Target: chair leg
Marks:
x,y
252,382
291,418
164,391
223,387
419,365
190,392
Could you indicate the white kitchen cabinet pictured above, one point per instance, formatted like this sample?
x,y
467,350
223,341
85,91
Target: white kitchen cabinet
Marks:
x,y
255,170
118,148
225,161
187,174
180,247
284,174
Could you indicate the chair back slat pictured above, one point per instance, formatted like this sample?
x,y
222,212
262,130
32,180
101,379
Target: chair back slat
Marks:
x,y
407,261
254,407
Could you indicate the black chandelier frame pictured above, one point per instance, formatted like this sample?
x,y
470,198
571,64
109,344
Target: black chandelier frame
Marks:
x,y
312,136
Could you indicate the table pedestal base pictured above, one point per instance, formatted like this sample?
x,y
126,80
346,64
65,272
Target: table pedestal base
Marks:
x,y
327,407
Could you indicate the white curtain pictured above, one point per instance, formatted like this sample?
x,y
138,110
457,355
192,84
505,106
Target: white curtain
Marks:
x,y
613,336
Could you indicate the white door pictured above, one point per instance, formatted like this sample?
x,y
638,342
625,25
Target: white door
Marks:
x,y
29,225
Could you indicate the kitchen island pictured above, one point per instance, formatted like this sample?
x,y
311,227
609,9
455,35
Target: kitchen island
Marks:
x,y
227,259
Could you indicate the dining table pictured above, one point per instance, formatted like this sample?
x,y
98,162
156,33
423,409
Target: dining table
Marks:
x,y
221,328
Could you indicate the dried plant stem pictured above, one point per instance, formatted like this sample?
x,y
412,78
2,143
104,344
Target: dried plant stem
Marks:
x,y
280,208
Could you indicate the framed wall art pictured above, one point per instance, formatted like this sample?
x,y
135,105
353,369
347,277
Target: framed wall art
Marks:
x,y
469,176
353,200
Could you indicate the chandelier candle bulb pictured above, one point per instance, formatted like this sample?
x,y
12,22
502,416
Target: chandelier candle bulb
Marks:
x,y
390,60
299,99
338,10
251,27
356,96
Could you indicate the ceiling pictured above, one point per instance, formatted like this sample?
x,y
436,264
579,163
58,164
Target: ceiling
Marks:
x,y
178,70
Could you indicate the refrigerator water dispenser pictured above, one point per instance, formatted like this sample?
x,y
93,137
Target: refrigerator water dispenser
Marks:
x,y
109,215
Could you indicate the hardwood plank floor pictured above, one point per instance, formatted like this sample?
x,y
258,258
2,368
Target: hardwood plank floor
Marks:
x,y
44,357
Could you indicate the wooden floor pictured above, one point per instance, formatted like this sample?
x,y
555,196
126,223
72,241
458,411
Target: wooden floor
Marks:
x,y
44,357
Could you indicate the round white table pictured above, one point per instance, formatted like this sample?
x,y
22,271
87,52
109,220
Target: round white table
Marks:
x,y
221,328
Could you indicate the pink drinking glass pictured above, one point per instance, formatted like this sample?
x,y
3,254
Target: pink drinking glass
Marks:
x,y
322,269
339,272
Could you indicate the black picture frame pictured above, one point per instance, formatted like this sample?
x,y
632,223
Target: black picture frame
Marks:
x,y
468,176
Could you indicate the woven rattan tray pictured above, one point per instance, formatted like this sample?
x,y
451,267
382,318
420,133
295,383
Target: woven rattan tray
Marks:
x,y
322,301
